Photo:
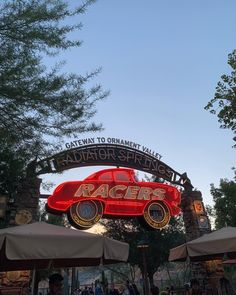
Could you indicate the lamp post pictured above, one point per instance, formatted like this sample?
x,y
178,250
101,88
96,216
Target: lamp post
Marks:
x,y
143,246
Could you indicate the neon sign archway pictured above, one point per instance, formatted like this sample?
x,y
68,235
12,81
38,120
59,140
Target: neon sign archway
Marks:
x,y
85,210
112,155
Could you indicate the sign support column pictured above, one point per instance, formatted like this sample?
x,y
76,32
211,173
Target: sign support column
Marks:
x,y
197,224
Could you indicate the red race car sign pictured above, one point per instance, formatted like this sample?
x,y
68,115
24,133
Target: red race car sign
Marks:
x,y
115,192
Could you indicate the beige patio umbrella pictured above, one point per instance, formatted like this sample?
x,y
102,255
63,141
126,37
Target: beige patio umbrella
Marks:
x,y
41,245
229,261
209,246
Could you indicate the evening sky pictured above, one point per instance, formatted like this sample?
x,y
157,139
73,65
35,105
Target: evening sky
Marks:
x,y
161,61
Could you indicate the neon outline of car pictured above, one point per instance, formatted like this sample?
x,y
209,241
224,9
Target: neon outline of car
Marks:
x,y
115,192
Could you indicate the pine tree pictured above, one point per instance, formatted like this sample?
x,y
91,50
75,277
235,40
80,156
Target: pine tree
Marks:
x,y
39,105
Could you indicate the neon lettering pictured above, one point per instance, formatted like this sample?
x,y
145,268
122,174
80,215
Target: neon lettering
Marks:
x,y
144,193
84,190
132,192
159,193
101,191
114,192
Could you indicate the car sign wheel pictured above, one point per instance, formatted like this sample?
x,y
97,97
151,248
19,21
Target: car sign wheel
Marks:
x,y
156,214
85,214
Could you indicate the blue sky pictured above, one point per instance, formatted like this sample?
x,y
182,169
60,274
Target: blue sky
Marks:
x,y
161,61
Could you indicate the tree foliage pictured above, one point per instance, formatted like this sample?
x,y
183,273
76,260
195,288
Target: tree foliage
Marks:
x,y
224,102
159,241
13,163
224,203
38,104
11,167
52,218
133,231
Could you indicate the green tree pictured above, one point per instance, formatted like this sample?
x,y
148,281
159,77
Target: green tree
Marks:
x,y
11,167
224,203
159,241
52,218
224,102
39,104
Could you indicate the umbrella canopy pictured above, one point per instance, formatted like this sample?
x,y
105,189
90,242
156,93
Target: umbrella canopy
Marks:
x,y
41,245
209,246
230,261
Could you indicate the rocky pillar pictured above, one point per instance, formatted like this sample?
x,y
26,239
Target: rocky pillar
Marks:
x,y
21,209
194,215
26,201
197,224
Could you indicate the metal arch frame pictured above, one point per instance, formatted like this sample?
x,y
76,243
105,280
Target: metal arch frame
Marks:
x,y
110,155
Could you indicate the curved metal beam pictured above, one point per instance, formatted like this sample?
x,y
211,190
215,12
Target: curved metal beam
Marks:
x,y
111,155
